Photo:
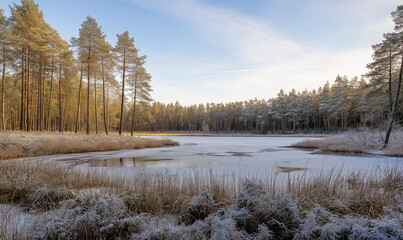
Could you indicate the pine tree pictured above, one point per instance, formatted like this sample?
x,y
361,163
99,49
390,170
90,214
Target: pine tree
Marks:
x,y
28,26
141,86
90,35
5,37
398,19
106,59
126,54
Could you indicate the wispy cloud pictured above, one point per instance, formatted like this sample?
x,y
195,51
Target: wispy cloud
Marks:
x,y
261,60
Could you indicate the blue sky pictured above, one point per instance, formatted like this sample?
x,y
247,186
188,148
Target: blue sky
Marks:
x,y
203,51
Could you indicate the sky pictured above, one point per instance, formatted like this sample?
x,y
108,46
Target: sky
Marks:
x,y
201,51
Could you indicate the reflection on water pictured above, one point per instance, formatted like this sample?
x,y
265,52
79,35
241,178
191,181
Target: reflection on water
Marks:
x,y
139,162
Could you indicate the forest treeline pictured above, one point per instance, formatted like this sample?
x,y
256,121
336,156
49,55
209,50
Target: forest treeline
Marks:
x,y
51,84
87,85
347,103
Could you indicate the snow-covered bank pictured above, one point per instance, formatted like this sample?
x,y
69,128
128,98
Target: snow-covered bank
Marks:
x,y
367,142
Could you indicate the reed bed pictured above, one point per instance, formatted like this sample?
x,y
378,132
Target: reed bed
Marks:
x,y
167,192
21,144
49,191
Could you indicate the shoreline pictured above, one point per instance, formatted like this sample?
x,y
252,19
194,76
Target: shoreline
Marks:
x,y
195,134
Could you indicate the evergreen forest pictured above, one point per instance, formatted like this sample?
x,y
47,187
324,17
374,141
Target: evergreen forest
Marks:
x,y
86,84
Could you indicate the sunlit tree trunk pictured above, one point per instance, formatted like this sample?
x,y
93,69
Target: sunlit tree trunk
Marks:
x,y
88,93
79,101
28,86
60,95
132,129
43,97
123,93
22,119
3,121
38,104
50,95
95,105
103,96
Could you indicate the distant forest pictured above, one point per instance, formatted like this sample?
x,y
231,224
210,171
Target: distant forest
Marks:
x,y
87,85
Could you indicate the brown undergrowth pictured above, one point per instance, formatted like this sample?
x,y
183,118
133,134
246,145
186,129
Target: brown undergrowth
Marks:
x,y
41,185
22,144
45,189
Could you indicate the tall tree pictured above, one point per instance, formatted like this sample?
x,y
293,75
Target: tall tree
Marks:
x,y
126,54
28,25
90,34
141,86
4,45
384,60
398,19
64,56
106,59
55,43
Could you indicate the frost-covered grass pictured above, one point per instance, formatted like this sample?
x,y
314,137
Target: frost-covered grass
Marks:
x,y
54,201
358,141
23,144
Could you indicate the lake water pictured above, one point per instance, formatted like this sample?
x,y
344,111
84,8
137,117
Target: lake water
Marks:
x,y
234,153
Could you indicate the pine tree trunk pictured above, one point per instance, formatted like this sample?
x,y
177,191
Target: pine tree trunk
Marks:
x,y
107,106
123,93
390,81
65,112
79,101
103,96
394,107
50,95
43,97
38,108
3,121
134,107
60,95
22,120
28,86
95,105
88,94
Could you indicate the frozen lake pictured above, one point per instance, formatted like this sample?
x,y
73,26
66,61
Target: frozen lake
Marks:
x,y
234,153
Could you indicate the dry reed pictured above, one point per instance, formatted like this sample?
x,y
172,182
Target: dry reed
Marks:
x,y
43,186
359,192
22,144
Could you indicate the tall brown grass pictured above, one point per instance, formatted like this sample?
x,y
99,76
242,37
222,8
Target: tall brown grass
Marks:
x,y
22,144
363,192
41,186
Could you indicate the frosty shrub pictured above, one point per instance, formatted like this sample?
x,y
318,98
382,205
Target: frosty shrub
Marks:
x,y
166,234
320,224
199,208
46,198
257,207
81,218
